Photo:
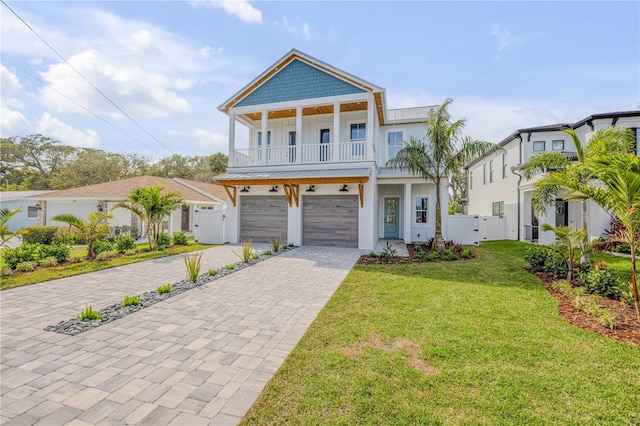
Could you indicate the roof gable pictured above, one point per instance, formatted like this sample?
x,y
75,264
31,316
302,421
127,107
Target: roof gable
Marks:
x,y
298,80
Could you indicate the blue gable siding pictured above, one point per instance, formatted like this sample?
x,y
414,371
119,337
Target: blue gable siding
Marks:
x,y
298,81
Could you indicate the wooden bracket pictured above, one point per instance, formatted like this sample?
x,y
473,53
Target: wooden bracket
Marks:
x,y
361,191
292,193
295,192
287,193
231,197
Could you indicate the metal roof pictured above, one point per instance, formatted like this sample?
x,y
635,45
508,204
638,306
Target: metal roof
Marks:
x,y
299,174
408,114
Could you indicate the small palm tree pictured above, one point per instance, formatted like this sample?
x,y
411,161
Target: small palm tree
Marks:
x,y
570,242
151,205
5,232
93,229
442,154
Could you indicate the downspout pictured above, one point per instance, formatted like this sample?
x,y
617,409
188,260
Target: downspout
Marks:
x,y
513,170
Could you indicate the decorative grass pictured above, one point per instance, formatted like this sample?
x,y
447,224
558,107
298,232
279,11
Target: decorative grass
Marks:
x,y
474,342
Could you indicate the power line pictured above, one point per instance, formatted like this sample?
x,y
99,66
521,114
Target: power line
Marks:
x,y
85,79
79,105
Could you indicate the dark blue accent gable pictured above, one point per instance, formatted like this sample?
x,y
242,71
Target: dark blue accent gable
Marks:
x,y
298,81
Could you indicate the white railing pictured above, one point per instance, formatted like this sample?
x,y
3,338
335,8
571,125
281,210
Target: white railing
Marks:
x,y
302,154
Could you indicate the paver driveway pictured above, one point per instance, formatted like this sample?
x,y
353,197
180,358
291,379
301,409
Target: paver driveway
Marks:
x,y
201,357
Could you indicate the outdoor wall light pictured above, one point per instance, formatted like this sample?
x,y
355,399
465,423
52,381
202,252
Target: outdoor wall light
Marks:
x,y
312,188
245,189
100,208
344,188
38,206
274,188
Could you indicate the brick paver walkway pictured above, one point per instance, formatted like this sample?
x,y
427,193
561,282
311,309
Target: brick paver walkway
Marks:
x,y
201,357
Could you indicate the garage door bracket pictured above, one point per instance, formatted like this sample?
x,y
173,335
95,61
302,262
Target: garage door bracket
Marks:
x,y
291,192
231,197
361,191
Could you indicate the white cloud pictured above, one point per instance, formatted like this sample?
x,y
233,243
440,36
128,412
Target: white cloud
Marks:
x,y
13,123
10,85
55,128
207,140
239,8
507,40
140,92
297,28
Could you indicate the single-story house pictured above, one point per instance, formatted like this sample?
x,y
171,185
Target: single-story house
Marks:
x,y
21,199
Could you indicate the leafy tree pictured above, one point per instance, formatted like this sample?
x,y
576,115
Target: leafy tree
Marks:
x,y
442,153
5,232
87,167
218,163
570,243
564,173
151,204
459,187
92,229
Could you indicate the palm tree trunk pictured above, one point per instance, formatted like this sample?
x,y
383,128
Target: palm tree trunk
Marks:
x,y
634,281
438,236
585,256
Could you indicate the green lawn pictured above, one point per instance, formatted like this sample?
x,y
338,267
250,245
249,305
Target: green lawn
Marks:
x,y
84,267
492,331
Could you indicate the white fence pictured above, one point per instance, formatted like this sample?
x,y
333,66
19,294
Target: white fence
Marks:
x,y
463,229
493,228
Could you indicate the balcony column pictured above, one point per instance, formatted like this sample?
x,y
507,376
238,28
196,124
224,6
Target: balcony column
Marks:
x,y
335,138
369,130
298,135
232,139
265,135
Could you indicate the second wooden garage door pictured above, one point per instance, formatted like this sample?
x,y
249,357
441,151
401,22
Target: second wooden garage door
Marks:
x,y
330,220
263,218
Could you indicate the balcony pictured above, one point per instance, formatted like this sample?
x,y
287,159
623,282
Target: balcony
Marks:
x,y
302,154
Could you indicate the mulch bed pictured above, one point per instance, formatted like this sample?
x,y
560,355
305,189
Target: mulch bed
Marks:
x,y
403,260
627,330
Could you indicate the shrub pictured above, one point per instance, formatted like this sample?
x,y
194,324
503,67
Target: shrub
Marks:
x,y
162,289
130,301
130,252
193,263
275,244
23,253
267,253
39,234
106,255
180,238
255,256
66,235
60,251
48,261
586,302
213,272
291,245
246,250
5,271
164,241
603,282
448,254
623,248
102,246
466,254
124,243
626,293
431,257
388,252
544,259
89,314
76,258
230,267
26,266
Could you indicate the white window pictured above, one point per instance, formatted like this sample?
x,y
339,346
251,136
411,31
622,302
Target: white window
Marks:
x,y
422,210
32,212
504,165
498,208
538,146
394,143
491,171
557,145
484,174
470,180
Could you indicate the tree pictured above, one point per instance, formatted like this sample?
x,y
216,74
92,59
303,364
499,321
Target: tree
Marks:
x,y
569,242
443,153
460,192
562,173
93,229
87,167
151,204
617,190
218,163
5,232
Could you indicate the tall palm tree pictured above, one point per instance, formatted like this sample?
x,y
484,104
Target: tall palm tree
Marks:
x,y
151,204
561,174
93,229
5,232
443,152
617,190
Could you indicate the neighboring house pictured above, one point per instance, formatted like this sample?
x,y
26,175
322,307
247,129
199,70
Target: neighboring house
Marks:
x,y
20,199
313,172
496,187
199,198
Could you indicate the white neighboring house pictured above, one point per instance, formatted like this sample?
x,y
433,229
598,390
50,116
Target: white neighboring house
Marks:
x,y
21,199
199,199
496,187
318,177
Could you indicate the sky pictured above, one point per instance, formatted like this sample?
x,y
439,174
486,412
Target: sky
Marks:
x,y
168,65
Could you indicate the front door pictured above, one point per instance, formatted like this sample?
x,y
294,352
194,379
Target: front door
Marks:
x,y
391,225
562,213
325,138
292,147
185,218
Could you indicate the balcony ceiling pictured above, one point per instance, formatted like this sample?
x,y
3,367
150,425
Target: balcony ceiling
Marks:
x,y
321,109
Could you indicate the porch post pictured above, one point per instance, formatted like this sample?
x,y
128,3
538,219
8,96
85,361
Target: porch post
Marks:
x,y
369,130
408,212
298,135
265,135
335,138
232,139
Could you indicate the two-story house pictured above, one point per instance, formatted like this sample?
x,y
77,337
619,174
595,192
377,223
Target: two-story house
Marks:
x,y
313,172
496,187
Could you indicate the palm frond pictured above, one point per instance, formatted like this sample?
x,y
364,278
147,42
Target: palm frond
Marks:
x,y
544,161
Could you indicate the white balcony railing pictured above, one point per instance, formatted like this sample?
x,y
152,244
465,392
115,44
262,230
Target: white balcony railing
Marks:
x,y
302,154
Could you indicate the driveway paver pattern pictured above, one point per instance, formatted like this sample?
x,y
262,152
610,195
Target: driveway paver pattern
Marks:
x,y
202,357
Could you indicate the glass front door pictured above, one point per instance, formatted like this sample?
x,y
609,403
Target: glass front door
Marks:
x,y
391,213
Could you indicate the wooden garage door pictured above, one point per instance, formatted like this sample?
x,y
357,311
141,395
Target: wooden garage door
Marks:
x,y
263,218
330,220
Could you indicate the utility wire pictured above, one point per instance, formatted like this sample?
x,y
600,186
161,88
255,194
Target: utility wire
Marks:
x,y
85,79
79,105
